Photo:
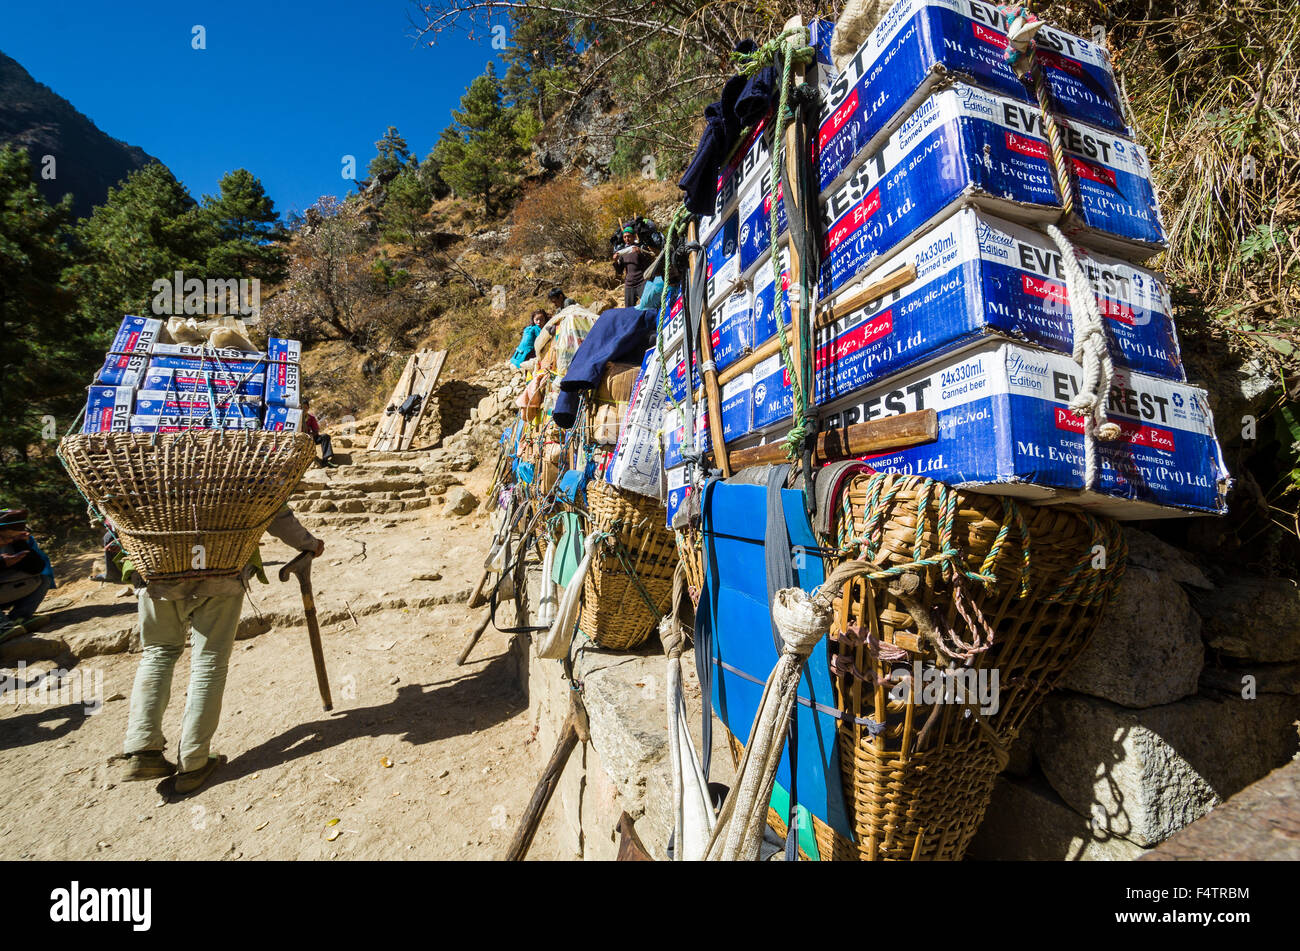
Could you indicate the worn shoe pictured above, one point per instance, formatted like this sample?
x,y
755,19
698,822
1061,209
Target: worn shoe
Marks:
x,y
147,764
188,782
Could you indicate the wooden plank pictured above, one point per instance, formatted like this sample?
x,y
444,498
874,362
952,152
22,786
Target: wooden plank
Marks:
x,y
799,311
712,392
877,435
379,439
429,373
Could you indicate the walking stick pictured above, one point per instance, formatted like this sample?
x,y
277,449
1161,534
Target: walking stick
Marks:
x,y
301,566
574,729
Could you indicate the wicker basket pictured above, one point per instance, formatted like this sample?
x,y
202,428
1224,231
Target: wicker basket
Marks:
x,y
918,788
167,493
615,614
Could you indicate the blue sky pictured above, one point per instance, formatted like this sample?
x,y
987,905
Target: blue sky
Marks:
x,y
285,88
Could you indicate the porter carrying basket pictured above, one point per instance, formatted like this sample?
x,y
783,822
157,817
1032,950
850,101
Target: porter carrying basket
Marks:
x,y
962,585
630,582
190,504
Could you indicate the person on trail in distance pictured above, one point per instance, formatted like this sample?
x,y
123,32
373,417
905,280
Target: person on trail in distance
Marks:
x,y
527,343
210,608
311,426
26,574
631,261
559,300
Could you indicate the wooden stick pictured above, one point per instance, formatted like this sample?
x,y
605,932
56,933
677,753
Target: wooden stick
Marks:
x,y
877,435
799,311
844,306
574,729
473,639
712,392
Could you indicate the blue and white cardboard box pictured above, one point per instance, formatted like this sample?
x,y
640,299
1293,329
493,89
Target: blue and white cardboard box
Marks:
x,y
677,374
195,405
245,365
283,384
977,275
280,350
136,335
180,424
722,262
733,329
1005,427
197,381
677,491
731,178
108,409
213,355
122,369
282,419
737,407
919,44
764,296
773,399
675,433
675,320
962,145
756,219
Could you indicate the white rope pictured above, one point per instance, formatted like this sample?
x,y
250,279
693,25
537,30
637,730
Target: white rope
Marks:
x,y
693,818
550,590
554,644
1092,355
802,623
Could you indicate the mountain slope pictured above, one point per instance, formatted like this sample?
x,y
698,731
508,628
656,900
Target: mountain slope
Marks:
x,y
88,161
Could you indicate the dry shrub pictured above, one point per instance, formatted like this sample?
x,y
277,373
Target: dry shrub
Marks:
x,y
557,216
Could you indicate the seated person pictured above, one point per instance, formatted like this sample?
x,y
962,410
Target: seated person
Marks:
x,y
25,572
527,343
312,428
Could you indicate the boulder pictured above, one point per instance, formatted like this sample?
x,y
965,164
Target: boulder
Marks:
x,y
1253,678
1253,619
1145,774
106,640
460,501
1147,650
1147,551
1027,821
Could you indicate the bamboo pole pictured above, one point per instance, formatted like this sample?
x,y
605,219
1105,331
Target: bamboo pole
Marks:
x,y
712,391
877,435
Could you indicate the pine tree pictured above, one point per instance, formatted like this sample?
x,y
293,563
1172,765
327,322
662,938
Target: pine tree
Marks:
x,y
392,158
483,153
404,210
147,228
244,228
45,345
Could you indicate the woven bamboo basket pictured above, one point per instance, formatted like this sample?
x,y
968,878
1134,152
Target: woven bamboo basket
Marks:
x,y
918,778
615,613
169,493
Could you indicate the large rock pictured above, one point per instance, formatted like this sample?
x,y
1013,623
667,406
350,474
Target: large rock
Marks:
x,y
1027,820
104,640
1147,551
1253,619
1147,650
1145,774
1253,678
460,501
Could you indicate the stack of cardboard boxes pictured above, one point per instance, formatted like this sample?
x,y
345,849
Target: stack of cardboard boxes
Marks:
x,y
147,386
932,154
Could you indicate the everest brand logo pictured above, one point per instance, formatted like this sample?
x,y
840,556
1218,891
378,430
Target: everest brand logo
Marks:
x,y
103,905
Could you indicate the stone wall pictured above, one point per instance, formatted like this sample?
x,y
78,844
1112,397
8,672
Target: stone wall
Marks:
x,y
1187,694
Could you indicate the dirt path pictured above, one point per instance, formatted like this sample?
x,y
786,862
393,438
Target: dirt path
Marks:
x,y
459,741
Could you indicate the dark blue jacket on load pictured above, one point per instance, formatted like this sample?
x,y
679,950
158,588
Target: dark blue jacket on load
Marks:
x,y
621,335
745,100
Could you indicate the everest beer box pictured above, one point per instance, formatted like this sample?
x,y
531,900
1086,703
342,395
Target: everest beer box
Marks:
x,y
966,146
122,369
182,424
678,490
108,409
977,275
195,406
772,400
675,321
283,384
675,434
764,296
733,329
919,44
732,178
252,383
283,419
136,335
1005,427
677,374
737,405
722,262
755,235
